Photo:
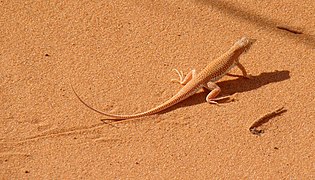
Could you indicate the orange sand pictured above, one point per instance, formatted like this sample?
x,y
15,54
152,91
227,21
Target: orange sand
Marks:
x,y
119,58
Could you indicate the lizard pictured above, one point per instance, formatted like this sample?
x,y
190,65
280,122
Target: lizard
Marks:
x,y
193,82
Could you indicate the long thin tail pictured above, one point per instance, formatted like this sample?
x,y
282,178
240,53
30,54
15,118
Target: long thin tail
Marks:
x,y
175,99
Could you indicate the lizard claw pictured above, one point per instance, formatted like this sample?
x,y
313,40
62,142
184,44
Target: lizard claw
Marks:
x,y
181,76
175,80
213,102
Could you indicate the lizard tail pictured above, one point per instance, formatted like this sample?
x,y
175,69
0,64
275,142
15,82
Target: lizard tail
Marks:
x,y
175,99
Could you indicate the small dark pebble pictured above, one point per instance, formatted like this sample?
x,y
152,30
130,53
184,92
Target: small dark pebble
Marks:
x,y
27,171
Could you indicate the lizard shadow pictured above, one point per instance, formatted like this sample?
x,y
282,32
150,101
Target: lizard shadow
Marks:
x,y
230,87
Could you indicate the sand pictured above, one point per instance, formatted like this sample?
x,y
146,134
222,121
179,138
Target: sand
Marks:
x,y
119,57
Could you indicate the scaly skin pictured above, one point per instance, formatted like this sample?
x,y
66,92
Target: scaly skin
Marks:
x,y
193,82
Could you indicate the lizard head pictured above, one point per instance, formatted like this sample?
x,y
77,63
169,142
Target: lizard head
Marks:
x,y
245,43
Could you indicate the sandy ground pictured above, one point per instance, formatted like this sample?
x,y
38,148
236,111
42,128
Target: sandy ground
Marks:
x,y
119,57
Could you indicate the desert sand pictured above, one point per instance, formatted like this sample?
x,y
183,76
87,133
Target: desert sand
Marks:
x,y
119,56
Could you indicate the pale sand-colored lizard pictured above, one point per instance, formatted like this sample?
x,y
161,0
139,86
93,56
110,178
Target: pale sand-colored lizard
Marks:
x,y
193,82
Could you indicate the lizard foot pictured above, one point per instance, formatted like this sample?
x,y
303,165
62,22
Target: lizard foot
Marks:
x,y
249,76
226,99
181,76
184,79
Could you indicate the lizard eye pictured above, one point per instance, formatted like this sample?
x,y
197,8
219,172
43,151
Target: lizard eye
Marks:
x,y
243,41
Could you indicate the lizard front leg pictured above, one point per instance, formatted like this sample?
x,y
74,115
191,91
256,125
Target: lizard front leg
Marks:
x,y
184,80
242,68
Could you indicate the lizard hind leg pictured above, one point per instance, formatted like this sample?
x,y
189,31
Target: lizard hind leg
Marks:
x,y
184,80
215,91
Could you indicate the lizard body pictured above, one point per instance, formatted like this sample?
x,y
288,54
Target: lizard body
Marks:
x,y
193,82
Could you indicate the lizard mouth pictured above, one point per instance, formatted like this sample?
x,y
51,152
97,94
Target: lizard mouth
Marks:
x,y
249,44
